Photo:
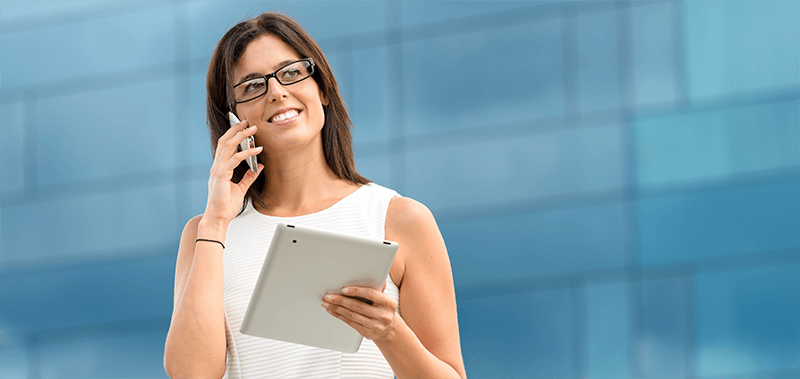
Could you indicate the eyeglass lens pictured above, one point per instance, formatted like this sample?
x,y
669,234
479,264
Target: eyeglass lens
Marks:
x,y
289,74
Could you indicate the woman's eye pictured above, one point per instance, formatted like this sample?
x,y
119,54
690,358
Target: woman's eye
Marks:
x,y
253,86
290,73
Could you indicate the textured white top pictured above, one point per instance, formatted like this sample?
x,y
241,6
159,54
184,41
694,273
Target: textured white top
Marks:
x,y
362,213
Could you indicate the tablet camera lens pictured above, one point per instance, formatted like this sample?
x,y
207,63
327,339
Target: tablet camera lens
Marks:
x,y
294,241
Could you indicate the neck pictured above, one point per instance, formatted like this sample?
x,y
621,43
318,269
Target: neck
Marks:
x,y
301,183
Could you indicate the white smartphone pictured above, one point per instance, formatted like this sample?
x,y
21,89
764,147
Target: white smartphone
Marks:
x,y
247,143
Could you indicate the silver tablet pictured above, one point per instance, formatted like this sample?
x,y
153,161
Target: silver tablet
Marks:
x,y
302,265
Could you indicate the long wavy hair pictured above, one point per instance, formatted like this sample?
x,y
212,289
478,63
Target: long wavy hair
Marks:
x,y
337,141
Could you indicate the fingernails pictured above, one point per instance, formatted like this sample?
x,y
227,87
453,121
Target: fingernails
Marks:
x,y
347,291
326,305
328,298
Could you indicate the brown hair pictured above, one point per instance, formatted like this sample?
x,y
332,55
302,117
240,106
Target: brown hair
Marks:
x,y
337,142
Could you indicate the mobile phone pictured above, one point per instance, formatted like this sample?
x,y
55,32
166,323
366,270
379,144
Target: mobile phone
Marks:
x,y
247,143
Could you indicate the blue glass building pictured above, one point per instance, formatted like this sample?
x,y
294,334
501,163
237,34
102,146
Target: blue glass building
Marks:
x,y
618,183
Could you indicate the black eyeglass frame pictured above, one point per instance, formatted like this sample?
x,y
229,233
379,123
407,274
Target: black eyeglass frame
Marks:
x,y
274,75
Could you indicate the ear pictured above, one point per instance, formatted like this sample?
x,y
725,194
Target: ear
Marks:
x,y
322,98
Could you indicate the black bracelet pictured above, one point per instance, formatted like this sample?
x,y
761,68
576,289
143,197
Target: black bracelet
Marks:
x,y
203,239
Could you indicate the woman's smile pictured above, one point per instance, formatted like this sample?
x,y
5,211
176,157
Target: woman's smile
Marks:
x,y
285,116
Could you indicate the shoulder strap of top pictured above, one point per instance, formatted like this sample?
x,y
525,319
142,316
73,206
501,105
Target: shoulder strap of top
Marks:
x,y
378,205
381,199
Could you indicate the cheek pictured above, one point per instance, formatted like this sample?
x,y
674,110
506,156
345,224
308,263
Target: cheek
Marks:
x,y
318,112
242,112
322,115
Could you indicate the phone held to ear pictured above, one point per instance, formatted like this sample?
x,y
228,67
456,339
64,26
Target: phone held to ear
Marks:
x,y
247,143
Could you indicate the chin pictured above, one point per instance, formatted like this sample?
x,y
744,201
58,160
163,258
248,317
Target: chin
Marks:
x,y
293,139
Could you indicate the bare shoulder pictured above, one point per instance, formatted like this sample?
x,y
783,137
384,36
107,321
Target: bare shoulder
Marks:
x,y
406,215
412,225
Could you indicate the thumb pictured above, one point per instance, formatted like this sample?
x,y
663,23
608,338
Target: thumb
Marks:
x,y
249,178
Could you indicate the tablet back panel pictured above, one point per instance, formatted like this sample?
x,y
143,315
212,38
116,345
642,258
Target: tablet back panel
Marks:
x,y
302,265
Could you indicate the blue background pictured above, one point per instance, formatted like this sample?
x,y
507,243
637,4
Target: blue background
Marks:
x,y
618,184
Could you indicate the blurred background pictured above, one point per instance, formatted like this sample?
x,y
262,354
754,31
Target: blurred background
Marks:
x,y
618,183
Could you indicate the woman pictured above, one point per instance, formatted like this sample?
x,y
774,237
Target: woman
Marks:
x,y
260,70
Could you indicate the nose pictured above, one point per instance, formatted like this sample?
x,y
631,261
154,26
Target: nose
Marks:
x,y
275,90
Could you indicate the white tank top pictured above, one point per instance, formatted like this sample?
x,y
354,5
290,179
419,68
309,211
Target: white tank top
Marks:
x,y
362,213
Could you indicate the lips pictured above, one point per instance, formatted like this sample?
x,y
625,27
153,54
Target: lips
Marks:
x,y
283,115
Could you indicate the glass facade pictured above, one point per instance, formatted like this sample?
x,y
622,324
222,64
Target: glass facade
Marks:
x,y
618,184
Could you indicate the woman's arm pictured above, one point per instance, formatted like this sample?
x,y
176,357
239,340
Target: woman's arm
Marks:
x,y
195,346
424,342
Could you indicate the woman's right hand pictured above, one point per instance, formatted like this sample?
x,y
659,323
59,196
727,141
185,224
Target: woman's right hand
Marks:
x,y
195,346
224,196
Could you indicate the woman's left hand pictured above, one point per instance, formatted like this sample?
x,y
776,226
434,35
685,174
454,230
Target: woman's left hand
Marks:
x,y
372,321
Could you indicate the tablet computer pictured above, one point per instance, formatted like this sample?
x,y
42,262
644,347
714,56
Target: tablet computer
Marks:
x,y
302,265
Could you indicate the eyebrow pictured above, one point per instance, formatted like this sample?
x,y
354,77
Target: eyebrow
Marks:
x,y
256,74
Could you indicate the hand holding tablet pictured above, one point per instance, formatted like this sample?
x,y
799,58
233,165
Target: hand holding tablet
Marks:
x,y
369,311
304,264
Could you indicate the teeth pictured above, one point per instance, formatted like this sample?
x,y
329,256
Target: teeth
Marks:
x,y
285,115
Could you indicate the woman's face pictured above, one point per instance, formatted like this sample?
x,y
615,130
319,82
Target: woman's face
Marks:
x,y
302,100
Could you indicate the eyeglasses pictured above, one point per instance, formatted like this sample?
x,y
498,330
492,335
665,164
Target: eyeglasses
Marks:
x,y
291,73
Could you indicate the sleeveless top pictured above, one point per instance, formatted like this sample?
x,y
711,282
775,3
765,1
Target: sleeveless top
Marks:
x,y
362,213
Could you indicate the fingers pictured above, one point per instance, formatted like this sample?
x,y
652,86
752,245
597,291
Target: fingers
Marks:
x,y
364,300
231,135
367,293
237,158
371,309
360,328
231,145
371,321
227,135
345,314
224,196
250,177
234,130
226,156
346,305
